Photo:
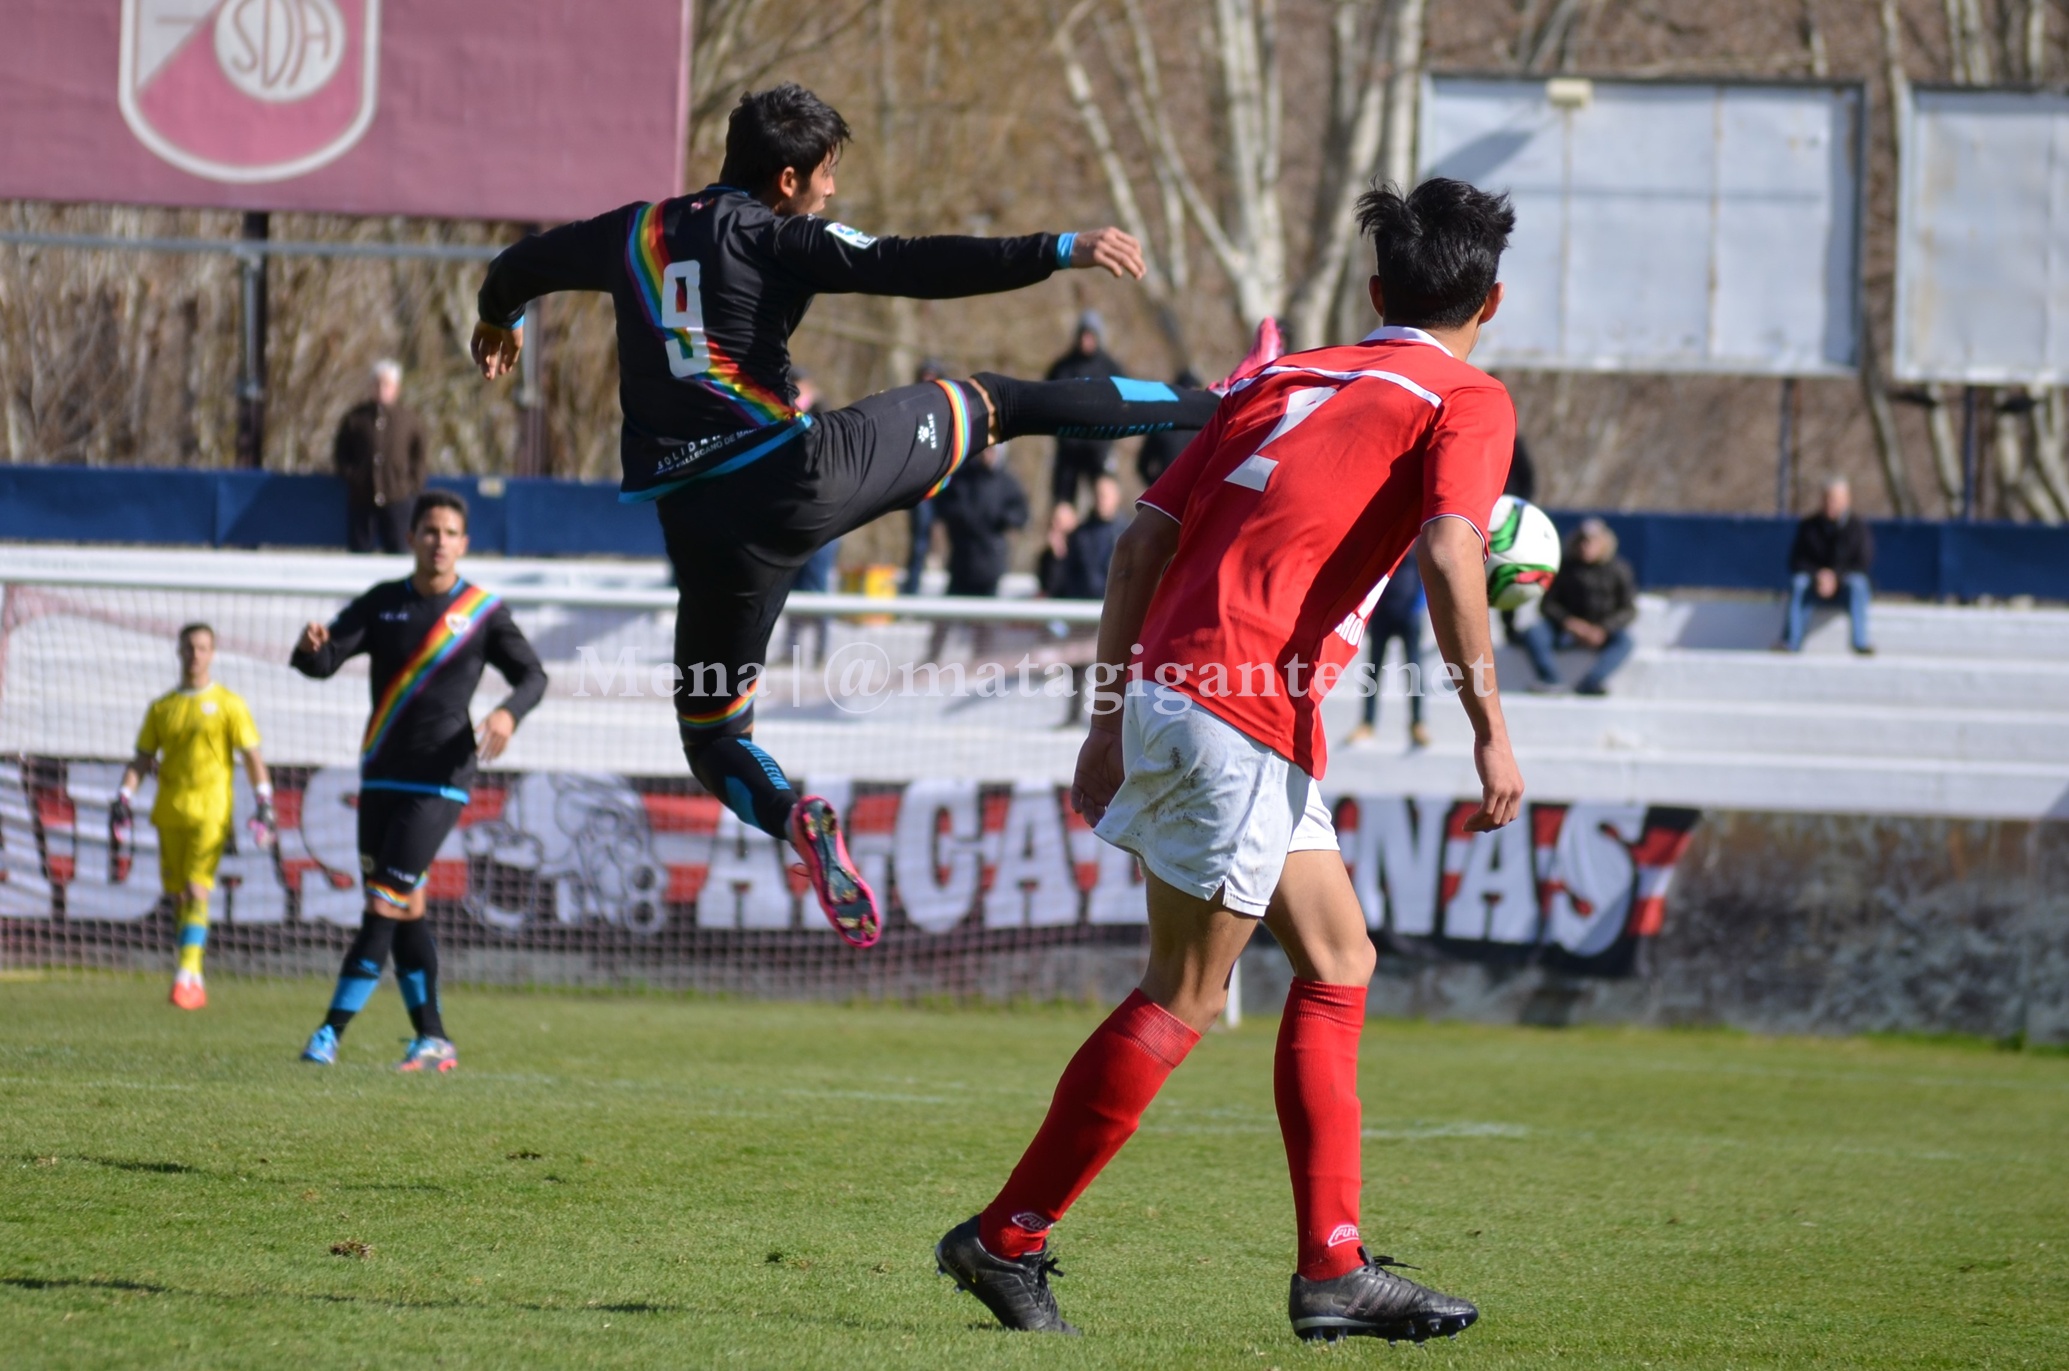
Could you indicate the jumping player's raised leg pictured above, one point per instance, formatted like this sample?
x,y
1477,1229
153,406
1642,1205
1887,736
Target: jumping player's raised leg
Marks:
x,y
736,543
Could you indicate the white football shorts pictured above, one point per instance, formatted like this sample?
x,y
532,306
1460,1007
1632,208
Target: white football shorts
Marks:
x,y
1207,808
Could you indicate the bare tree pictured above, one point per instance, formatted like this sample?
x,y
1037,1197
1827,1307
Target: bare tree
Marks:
x,y
1241,214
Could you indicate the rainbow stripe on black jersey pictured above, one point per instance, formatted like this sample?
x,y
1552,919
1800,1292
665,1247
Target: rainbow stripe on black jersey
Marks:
x,y
647,260
958,434
470,608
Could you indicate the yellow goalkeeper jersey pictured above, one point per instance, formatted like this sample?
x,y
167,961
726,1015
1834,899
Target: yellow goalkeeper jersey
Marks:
x,y
196,734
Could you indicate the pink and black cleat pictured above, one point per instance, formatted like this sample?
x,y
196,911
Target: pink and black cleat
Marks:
x,y
849,903
1268,347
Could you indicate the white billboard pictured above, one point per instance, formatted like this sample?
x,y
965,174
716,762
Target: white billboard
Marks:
x,y
1983,238
1708,226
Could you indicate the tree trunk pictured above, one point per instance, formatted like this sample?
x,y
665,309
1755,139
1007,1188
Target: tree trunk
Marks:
x,y
2050,417
1946,448
1814,42
1883,420
1404,86
1357,110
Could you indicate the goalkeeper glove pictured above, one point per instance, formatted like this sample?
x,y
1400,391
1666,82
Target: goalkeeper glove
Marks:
x,y
121,837
265,832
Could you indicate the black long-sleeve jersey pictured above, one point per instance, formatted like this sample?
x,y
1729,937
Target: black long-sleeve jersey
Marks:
x,y
708,289
427,654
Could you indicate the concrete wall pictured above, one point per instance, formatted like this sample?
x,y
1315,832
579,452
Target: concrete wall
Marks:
x,y
1798,923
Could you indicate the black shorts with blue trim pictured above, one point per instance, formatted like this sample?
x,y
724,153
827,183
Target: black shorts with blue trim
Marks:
x,y
401,827
737,540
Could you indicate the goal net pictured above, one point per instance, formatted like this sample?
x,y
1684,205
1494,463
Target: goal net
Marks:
x,y
587,854
944,731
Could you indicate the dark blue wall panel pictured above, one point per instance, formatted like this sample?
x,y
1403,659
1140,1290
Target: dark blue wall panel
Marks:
x,y
107,505
556,518
256,507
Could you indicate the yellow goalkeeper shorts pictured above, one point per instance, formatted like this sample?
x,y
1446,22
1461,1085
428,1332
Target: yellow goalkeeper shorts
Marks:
x,y
187,855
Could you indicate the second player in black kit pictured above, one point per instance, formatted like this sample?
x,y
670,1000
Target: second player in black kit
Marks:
x,y
708,288
428,639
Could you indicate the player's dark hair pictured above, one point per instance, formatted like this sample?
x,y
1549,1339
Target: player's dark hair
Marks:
x,y
437,499
1437,249
189,630
784,126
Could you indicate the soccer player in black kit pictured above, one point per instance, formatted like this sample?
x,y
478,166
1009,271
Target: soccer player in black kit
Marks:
x,y
708,288
428,639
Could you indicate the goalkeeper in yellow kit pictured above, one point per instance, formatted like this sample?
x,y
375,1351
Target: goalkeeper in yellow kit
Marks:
x,y
190,736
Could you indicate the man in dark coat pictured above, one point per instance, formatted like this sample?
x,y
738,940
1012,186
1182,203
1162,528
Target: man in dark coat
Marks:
x,y
979,508
379,455
1522,482
1831,556
1082,459
1159,450
1089,548
1591,604
1400,613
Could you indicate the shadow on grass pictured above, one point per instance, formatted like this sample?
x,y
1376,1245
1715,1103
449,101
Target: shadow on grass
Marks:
x,y
118,1164
70,1283
40,1283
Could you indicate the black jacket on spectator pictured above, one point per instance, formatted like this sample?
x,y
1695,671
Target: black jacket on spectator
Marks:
x,y
1844,545
1604,594
979,507
1522,482
379,455
1081,573
1159,450
1398,605
1075,365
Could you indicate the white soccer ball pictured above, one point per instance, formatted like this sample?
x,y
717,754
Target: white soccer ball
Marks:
x,y
1522,553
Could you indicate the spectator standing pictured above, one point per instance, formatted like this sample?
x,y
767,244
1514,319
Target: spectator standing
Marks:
x,y
1591,604
1160,449
983,504
816,576
1832,554
1522,482
1089,548
1081,572
979,508
817,572
1399,614
1063,521
379,455
1081,459
922,514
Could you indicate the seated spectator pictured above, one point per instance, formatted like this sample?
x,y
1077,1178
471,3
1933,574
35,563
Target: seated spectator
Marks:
x,y
1159,450
1399,614
979,508
1089,548
1591,604
1832,553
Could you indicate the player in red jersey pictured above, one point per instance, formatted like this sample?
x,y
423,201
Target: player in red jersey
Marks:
x,y
1235,601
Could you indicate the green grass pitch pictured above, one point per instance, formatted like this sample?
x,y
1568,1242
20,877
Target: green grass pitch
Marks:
x,y
656,1181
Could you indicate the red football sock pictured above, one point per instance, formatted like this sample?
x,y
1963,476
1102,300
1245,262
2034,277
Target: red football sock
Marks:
x,y
1098,1103
1315,1082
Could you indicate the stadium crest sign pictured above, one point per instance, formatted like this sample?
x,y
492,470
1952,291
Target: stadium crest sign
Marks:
x,y
246,91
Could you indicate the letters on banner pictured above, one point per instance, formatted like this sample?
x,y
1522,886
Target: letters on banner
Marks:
x,y
589,850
